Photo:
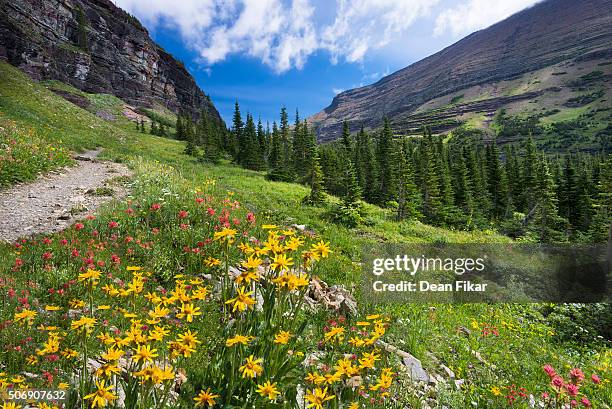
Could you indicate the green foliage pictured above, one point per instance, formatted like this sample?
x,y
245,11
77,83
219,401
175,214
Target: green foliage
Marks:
x,y
24,154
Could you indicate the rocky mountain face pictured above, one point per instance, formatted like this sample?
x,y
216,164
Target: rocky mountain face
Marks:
x,y
99,48
552,33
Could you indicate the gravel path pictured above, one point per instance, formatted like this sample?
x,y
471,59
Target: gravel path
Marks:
x,y
54,201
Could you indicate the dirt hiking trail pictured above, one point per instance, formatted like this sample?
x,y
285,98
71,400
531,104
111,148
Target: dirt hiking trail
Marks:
x,y
55,200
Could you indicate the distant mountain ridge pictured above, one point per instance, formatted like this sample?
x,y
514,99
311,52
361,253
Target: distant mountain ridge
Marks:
x,y
97,47
548,33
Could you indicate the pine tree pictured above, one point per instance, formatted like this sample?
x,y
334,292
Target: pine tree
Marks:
x,y
252,158
189,134
568,191
261,140
497,182
153,130
529,177
237,134
546,222
481,194
464,198
346,136
408,196
275,156
314,173
432,200
385,167
299,146
285,139
142,126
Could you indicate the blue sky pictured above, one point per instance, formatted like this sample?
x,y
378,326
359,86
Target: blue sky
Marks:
x,y
300,53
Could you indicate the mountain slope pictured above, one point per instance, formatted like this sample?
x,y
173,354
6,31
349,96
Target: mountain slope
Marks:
x,y
98,48
549,33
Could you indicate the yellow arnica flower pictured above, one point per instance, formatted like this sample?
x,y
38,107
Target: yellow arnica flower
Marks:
x,y
102,396
496,391
25,315
144,353
238,339
205,398
225,234
281,262
107,370
335,334
83,324
268,390
242,301
321,249
211,261
52,308
282,337
188,311
112,354
318,397
189,338
252,367
252,263
10,405
315,378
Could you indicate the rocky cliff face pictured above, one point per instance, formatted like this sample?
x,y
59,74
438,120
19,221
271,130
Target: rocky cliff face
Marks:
x,y
544,35
99,48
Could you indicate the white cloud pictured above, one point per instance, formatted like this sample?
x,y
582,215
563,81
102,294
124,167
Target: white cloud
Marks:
x,y
336,91
476,14
361,25
281,33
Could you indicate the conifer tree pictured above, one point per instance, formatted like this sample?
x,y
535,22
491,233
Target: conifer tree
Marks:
x,y
275,155
314,172
463,190
237,128
385,167
529,177
481,194
432,201
142,126
497,182
352,194
547,224
408,196
261,140
189,134
285,139
346,136
251,156
153,130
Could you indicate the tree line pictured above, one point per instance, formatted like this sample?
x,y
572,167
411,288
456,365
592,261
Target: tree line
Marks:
x,y
449,182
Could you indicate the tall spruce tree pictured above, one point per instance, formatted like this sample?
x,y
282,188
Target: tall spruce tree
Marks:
x,y
432,200
384,152
546,223
275,155
314,172
237,134
409,198
497,182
